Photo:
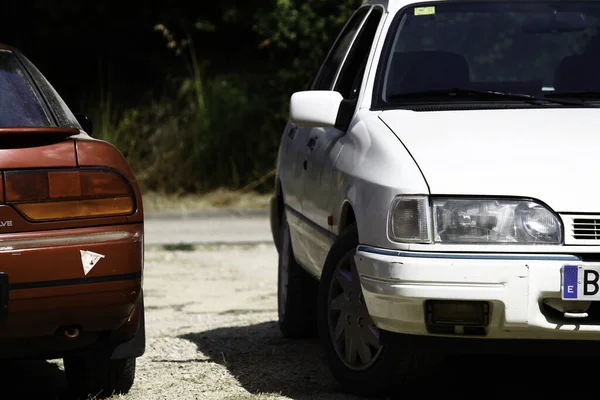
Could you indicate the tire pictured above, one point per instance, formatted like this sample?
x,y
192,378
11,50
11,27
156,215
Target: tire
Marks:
x,y
378,369
93,373
296,292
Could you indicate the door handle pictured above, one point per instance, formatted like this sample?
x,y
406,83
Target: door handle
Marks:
x,y
292,132
312,142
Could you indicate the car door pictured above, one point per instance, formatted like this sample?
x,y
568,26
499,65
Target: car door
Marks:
x,y
322,152
302,228
291,155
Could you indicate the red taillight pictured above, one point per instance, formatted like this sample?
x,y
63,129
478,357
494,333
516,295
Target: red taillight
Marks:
x,y
68,194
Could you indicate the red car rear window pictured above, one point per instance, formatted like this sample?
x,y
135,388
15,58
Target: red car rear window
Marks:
x,y
19,104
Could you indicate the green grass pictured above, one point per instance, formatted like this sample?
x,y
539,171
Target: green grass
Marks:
x,y
179,247
199,136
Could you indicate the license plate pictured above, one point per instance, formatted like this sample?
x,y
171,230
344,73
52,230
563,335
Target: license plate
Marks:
x,y
580,282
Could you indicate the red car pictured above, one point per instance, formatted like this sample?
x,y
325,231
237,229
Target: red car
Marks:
x,y
71,238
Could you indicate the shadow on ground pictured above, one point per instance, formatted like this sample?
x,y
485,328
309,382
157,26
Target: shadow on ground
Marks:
x,y
264,362
32,380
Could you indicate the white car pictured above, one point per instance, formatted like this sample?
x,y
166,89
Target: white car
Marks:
x,y
439,186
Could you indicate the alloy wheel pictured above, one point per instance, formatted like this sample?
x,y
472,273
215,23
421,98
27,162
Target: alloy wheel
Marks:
x,y
352,330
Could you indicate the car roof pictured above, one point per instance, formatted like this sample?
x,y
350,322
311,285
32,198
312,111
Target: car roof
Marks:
x,y
394,5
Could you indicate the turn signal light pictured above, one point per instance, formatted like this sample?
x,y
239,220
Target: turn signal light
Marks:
x,y
68,194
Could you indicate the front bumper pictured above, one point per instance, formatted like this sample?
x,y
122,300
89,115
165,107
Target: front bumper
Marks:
x,y
397,284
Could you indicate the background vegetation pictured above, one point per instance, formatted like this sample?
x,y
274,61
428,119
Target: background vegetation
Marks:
x,y
195,94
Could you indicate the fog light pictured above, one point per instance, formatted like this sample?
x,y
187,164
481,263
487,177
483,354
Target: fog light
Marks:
x,y
461,313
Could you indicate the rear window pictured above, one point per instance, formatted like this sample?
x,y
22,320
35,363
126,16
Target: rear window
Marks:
x,y
19,104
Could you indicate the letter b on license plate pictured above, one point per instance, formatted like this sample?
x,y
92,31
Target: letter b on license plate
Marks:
x,y
580,282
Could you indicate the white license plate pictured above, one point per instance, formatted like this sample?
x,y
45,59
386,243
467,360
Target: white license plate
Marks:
x,y
580,282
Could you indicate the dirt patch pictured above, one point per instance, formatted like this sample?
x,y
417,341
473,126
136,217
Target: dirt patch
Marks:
x,y
212,332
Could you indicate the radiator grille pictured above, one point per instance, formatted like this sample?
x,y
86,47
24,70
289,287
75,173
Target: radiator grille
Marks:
x,y
586,229
582,230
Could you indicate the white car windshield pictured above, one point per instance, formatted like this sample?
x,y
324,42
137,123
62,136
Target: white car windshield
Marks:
x,y
485,49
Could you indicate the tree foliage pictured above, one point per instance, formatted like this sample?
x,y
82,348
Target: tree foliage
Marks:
x,y
194,93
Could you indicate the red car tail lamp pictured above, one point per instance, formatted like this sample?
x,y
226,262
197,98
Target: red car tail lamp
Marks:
x,y
52,195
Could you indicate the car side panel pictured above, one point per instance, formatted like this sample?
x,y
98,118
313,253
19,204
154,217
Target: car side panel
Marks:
x,y
300,228
318,185
292,153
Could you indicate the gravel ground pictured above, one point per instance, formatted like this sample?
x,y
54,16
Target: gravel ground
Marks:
x,y
212,334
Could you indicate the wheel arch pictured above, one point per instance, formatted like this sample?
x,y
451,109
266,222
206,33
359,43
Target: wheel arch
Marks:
x,y
347,216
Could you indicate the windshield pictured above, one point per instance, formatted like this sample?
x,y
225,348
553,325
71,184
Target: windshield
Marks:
x,y
19,105
536,48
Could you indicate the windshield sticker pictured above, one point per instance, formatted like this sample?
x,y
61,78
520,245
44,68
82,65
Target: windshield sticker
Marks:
x,y
424,10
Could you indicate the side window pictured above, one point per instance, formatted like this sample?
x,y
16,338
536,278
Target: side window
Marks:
x,y
353,70
338,52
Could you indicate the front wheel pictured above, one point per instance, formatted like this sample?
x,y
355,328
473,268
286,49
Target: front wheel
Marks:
x,y
352,342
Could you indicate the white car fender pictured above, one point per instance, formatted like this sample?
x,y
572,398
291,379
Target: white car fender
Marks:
x,y
373,168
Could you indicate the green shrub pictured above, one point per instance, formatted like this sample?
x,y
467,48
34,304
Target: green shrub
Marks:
x,y
224,130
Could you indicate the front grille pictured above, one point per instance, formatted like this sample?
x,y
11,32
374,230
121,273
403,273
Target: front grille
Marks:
x,y
582,230
586,229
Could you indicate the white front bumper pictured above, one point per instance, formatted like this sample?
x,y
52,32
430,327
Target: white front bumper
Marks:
x,y
396,285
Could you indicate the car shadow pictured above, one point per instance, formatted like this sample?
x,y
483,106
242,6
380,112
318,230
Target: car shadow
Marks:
x,y
32,380
264,362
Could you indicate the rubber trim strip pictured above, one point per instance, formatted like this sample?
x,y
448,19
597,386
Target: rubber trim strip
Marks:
x,y
73,282
463,256
332,236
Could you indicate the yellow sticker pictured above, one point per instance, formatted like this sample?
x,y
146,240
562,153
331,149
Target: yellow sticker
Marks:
x,y
424,10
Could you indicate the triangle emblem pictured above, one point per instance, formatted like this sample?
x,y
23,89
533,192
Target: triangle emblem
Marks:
x,y
89,259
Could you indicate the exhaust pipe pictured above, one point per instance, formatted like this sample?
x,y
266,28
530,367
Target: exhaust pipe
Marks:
x,y
71,333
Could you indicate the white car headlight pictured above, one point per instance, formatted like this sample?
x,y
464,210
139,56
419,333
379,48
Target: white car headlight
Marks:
x,y
472,221
494,222
409,219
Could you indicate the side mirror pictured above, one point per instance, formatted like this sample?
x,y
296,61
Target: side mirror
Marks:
x,y
315,108
86,123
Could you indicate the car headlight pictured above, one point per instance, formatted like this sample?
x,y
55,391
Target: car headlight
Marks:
x,y
472,221
409,219
494,222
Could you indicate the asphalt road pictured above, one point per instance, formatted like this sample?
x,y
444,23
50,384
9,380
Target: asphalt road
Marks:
x,y
207,227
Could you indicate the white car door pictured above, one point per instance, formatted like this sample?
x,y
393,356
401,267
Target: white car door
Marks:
x,y
291,155
293,152
296,166
320,177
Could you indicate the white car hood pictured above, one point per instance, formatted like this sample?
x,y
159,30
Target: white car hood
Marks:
x,y
552,155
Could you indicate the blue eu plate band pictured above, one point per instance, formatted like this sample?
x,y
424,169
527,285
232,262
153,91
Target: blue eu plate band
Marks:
x,y
570,278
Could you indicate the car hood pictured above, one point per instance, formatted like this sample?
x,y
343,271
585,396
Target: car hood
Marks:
x,y
552,155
